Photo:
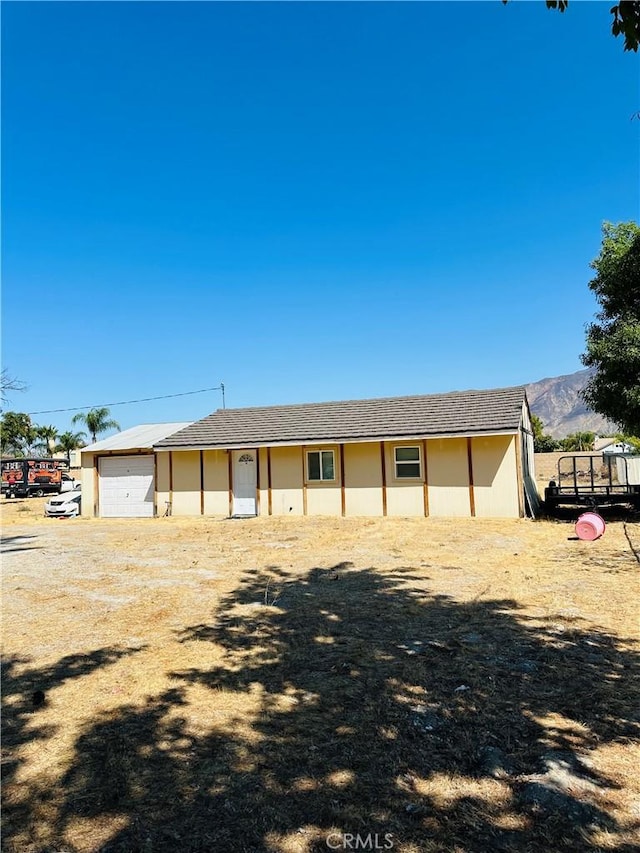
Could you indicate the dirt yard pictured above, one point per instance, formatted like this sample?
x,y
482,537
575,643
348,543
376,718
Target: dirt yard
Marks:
x,y
289,684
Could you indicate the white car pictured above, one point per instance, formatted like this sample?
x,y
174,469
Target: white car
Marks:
x,y
66,505
68,483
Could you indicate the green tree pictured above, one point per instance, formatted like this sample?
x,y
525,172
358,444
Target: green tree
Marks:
x,y
17,434
46,437
626,22
613,341
96,421
626,19
578,441
68,441
545,444
542,443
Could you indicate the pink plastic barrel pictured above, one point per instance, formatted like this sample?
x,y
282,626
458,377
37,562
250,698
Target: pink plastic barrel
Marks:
x,y
590,526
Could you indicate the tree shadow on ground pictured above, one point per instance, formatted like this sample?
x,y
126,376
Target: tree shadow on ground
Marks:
x,y
9,544
383,711
25,690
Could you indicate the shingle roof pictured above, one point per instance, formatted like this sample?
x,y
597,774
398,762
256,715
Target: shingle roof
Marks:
x,y
456,413
137,437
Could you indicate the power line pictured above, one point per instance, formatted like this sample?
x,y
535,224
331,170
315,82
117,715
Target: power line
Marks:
x,y
219,387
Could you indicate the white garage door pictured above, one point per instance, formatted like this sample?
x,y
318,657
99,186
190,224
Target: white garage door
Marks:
x,y
126,487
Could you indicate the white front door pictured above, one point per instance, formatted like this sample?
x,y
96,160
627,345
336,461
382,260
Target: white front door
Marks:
x,y
244,482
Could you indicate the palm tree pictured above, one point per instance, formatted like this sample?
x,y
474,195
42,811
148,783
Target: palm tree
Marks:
x,y
96,421
46,436
68,441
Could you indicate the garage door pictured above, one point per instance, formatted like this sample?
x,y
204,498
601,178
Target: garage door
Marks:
x,y
126,487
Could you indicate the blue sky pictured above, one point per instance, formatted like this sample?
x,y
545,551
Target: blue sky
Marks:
x,y
306,201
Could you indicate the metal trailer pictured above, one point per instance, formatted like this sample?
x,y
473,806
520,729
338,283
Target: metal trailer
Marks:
x,y
595,481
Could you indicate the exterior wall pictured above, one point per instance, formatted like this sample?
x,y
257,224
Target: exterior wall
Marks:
x,y
323,498
363,479
405,497
215,468
495,480
448,476
263,481
186,483
198,482
89,485
163,481
287,468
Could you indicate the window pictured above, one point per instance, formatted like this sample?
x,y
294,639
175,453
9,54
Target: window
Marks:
x,y
407,463
320,465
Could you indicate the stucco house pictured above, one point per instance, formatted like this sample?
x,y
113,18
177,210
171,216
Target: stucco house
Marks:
x,y
467,453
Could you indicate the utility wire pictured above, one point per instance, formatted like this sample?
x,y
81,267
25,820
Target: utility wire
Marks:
x,y
219,387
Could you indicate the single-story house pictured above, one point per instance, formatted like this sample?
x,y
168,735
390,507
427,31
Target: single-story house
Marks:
x,y
119,473
467,453
616,447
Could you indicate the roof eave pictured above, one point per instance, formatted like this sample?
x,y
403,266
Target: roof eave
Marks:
x,y
314,440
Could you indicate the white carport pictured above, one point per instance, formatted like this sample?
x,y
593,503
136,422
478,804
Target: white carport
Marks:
x,y
119,472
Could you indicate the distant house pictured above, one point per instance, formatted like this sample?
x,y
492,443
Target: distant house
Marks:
x,y
450,455
618,447
75,458
608,444
627,461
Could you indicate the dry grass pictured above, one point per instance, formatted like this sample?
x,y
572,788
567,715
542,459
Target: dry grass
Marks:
x,y
216,685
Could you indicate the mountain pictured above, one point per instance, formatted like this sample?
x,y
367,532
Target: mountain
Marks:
x,y
557,402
